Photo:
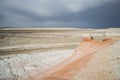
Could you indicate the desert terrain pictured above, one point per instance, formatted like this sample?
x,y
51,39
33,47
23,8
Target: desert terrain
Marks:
x,y
59,54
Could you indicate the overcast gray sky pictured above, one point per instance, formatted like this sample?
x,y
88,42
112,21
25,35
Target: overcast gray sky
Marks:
x,y
60,13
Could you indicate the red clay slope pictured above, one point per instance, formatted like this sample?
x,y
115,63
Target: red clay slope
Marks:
x,y
69,67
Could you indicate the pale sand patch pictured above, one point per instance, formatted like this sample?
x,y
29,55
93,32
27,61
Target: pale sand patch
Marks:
x,y
26,65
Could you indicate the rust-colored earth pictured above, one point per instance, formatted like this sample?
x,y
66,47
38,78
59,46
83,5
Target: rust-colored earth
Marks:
x,y
67,69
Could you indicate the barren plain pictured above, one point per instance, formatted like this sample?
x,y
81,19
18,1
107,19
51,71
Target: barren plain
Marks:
x,y
59,54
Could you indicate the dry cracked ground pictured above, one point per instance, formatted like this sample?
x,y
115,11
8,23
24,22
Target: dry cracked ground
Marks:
x,y
59,54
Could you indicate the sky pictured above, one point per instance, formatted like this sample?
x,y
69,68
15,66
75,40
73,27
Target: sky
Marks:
x,y
60,13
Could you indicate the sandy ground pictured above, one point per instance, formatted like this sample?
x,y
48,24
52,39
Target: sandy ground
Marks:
x,y
51,54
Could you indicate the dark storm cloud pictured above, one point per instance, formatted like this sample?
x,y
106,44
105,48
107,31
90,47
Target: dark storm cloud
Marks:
x,y
31,16
107,15
65,13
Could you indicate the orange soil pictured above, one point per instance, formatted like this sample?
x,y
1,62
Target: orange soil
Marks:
x,y
69,67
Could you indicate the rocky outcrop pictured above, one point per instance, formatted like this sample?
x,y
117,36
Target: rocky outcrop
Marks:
x,y
92,60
